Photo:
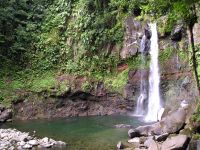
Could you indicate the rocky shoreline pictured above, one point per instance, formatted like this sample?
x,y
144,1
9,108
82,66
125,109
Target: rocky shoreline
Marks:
x,y
171,133
12,139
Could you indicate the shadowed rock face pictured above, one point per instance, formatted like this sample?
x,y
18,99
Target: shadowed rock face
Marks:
x,y
5,114
75,104
176,35
133,35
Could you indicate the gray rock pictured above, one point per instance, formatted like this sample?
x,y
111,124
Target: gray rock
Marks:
x,y
175,121
143,139
133,133
132,37
134,140
152,145
177,142
45,140
194,145
52,141
27,146
47,145
157,128
22,140
140,131
184,104
19,148
161,137
11,148
5,115
33,142
120,145
171,123
22,143
22,137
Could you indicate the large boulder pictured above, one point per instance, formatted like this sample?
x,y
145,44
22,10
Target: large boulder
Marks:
x,y
5,115
172,123
174,143
175,121
140,131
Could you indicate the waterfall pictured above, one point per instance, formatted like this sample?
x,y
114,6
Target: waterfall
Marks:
x,y
140,110
154,103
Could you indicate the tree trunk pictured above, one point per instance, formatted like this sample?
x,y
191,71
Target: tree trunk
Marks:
x,y
194,60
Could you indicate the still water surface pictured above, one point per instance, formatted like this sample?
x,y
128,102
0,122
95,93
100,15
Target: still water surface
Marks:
x,y
80,133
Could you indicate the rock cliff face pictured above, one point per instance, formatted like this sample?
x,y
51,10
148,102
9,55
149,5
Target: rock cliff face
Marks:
x,y
134,31
177,81
73,104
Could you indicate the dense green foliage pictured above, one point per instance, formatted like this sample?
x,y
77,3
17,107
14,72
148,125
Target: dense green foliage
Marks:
x,y
178,10
67,34
39,38
80,37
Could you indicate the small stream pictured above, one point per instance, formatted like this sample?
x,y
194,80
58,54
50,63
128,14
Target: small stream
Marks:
x,y
80,133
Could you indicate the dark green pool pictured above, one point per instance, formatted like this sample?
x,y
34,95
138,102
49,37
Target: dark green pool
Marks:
x,y
81,133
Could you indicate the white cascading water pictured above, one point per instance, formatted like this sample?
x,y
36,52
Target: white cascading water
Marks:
x,y
154,103
140,110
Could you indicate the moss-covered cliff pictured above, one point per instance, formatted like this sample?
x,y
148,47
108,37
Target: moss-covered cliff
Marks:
x,y
53,47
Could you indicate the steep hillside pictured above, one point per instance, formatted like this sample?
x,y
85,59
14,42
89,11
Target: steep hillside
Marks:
x,y
57,50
